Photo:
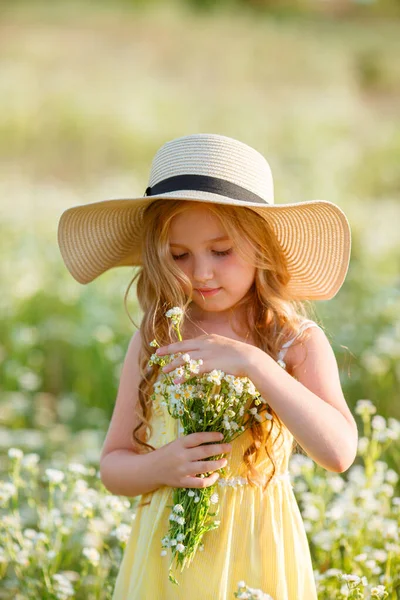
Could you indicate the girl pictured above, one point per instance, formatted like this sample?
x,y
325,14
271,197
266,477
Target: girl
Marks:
x,y
209,239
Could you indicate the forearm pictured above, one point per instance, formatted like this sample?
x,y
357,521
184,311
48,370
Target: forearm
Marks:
x,y
126,473
320,429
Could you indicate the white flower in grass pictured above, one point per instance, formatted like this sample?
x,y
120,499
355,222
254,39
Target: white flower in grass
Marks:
x,y
191,493
349,578
77,468
196,499
172,517
7,490
180,520
234,425
180,537
361,557
392,476
92,555
378,423
214,498
173,542
63,587
253,411
363,443
332,573
54,476
15,453
365,407
30,460
393,429
186,357
379,591
178,508
180,548
122,532
380,555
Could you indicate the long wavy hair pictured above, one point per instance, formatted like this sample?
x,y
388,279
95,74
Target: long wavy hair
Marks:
x,y
272,316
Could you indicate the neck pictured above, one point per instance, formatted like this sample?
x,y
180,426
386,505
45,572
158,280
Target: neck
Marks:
x,y
211,319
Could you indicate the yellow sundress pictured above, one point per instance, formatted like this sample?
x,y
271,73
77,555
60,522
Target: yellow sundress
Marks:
x,y
261,538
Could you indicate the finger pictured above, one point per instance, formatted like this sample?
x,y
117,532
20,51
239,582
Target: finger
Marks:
x,y
200,482
185,346
172,365
208,450
201,437
206,466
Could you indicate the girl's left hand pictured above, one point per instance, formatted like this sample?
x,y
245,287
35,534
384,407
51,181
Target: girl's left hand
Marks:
x,y
216,351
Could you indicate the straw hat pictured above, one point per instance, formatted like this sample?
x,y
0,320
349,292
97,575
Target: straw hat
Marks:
x,y
314,235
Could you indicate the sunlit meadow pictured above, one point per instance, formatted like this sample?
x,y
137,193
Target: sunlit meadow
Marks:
x,y
86,98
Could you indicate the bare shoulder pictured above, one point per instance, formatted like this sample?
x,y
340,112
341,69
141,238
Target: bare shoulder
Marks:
x,y
124,419
313,363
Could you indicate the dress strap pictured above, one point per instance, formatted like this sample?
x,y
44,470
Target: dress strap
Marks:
x,y
306,324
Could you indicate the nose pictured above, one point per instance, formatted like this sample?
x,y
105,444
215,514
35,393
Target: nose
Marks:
x,y
202,270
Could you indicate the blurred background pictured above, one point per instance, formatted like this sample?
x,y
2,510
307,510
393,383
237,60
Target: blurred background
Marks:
x,y
90,90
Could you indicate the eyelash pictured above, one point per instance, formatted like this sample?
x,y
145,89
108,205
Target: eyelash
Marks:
x,y
216,252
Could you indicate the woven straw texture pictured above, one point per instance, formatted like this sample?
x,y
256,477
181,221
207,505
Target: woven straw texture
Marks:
x,y
314,235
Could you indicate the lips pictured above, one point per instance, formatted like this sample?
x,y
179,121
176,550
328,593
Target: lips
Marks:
x,y
207,291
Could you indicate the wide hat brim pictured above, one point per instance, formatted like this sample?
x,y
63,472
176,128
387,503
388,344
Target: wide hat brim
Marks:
x,y
314,235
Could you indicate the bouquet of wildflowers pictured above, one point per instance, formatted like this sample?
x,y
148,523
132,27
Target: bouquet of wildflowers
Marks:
x,y
214,401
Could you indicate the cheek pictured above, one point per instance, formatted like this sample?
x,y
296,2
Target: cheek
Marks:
x,y
185,270
239,273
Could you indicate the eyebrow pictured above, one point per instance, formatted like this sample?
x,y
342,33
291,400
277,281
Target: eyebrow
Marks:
x,y
217,239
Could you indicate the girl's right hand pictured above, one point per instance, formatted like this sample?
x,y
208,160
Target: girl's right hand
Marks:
x,y
180,461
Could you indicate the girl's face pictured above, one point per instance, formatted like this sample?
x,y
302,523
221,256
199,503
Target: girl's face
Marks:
x,y
203,251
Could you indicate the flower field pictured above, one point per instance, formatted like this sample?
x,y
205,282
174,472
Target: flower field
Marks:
x,y
86,99
63,534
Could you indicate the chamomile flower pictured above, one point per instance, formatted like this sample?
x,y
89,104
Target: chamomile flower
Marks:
x,y
175,314
215,376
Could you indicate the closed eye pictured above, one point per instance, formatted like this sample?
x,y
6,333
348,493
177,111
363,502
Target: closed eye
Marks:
x,y
215,252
